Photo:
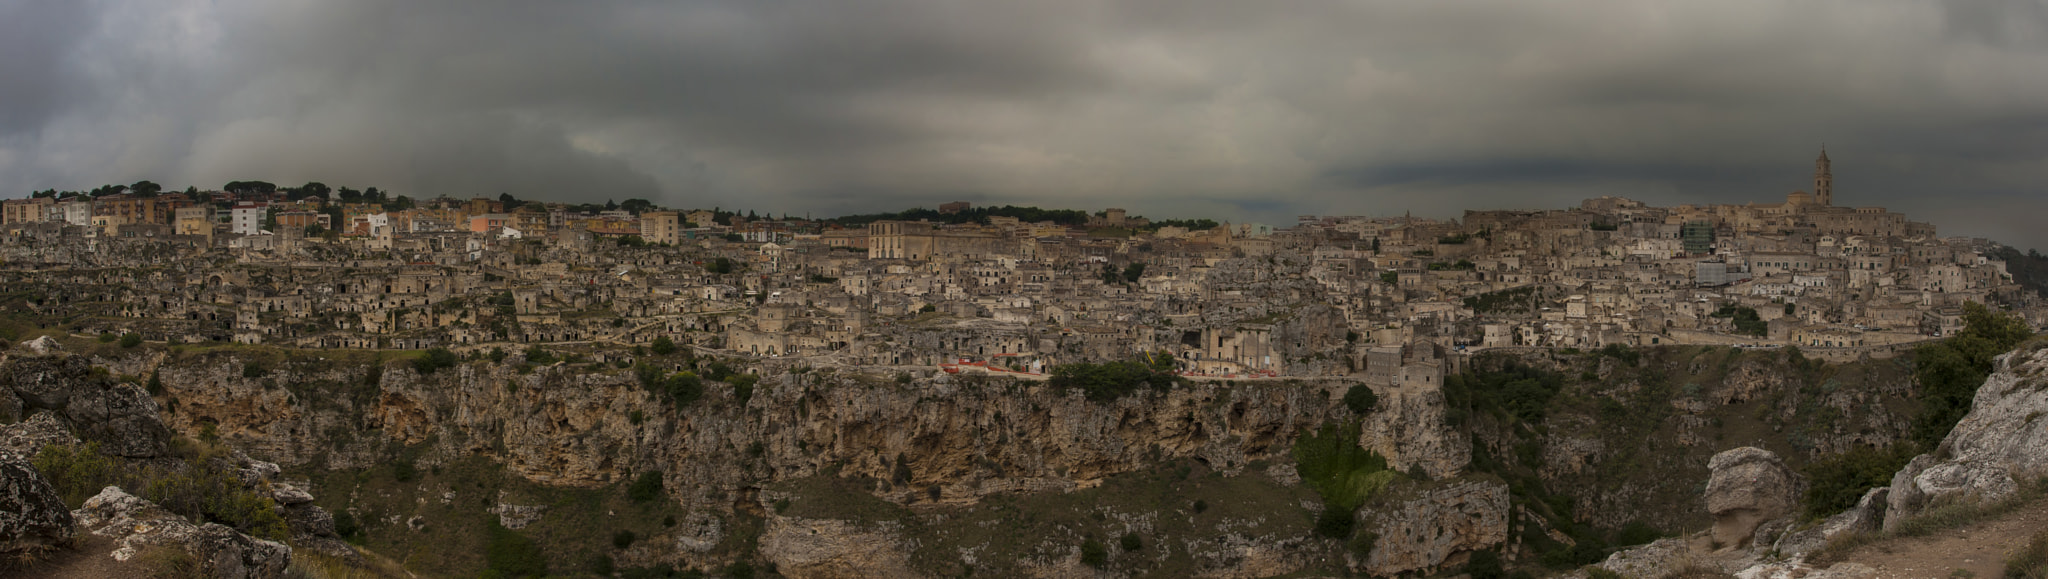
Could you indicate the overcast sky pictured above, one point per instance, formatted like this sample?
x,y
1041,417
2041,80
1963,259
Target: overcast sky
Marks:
x,y
1171,108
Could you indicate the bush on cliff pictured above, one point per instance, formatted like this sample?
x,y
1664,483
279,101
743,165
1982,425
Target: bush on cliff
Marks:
x,y
434,359
1361,400
645,488
1112,380
203,488
1950,371
1837,482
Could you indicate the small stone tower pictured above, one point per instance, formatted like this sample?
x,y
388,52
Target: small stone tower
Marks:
x,y
1823,180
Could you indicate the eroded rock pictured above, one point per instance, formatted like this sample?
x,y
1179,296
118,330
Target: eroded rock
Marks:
x,y
32,516
1749,486
1999,444
136,525
1423,531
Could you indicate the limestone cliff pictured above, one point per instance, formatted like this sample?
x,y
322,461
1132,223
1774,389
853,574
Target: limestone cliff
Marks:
x,y
2002,442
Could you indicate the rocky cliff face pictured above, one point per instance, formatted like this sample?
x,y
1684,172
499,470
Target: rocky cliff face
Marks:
x,y
968,437
1422,531
119,416
2000,443
136,525
1749,486
32,517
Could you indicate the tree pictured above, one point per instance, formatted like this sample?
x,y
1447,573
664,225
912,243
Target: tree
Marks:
x,y
314,189
637,206
1361,399
145,188
1951,370
1134,271
646,487
250,187
664,346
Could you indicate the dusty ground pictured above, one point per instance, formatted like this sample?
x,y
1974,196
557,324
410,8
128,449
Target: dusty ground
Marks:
x,y
91,560
1979,549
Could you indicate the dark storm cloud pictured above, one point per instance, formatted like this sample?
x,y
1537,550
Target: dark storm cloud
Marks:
x,y
1171,108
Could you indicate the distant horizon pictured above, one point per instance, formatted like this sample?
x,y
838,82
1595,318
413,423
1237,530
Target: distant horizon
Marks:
x,y
1231,111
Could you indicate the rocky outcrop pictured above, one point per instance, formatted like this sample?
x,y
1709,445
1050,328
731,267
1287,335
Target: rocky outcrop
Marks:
x,y
970,437
1423,530
26,438
1867,516
136,525
2002,442
1408,429
833,549
32,517
1748,487
1236,555
119,416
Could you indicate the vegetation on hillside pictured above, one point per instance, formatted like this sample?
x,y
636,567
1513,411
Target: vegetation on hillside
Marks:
x,y
1106,381
1331,462
1950,371
201,486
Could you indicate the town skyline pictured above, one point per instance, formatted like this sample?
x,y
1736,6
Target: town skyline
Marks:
x,y
1341,108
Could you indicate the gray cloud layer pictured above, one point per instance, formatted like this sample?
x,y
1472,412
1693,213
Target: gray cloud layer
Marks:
x,y
1180,108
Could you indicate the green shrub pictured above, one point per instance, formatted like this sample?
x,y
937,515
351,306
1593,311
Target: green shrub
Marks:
x,y
1950,371
206,488
1094,554
108,337
404,471
600,565
131,339
623,539
539,356
77,472
253,370
1361,399
345,526
663,346
1112,380
1331,462
645,488
1336,521
434,359
684,388
1837,482
1601,573
1201,505
743,388
1130,542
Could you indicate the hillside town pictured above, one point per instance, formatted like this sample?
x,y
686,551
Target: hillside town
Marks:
x,y
993,289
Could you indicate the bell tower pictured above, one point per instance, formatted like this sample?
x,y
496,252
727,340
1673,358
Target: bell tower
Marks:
x,y
1823,180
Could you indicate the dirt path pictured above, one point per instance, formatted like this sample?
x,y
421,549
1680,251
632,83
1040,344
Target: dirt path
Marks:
x,y
91,560
1979,548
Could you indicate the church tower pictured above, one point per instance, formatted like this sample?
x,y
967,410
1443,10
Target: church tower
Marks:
x,y
1823,180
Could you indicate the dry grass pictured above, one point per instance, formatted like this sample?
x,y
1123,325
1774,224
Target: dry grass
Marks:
x,y
1941,518
2030,562
308,564
1699,572
167,563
